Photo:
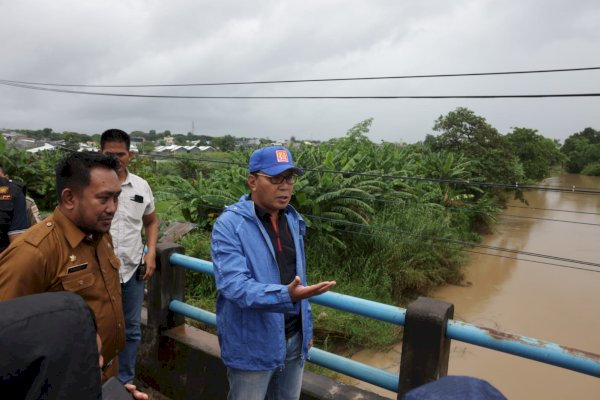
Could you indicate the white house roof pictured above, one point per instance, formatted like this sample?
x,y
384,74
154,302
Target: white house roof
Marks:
x,y
174,147
46,146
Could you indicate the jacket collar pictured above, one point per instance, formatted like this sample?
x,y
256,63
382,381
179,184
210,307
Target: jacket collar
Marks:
x,y
245,207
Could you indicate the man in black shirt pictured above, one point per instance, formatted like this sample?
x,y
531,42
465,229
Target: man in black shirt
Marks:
x,y
13,211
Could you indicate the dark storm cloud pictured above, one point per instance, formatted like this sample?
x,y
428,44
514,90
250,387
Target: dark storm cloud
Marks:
x,y
150,42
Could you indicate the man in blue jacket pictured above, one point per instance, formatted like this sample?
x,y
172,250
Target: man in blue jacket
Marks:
x,y
264,319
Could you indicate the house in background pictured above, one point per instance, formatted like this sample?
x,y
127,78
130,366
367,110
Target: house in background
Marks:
x,y
45,147
182,149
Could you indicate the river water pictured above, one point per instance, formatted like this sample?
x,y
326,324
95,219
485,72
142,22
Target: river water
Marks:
x,y
553,303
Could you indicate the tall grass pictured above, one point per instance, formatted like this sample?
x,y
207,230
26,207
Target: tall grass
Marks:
x,y
387,265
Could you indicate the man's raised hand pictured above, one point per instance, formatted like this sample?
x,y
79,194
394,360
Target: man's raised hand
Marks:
x,y
299,292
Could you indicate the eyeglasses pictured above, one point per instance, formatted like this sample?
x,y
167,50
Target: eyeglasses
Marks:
x,y
278,179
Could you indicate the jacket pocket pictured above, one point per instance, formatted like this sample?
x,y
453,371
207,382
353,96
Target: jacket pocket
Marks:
x,y
78,283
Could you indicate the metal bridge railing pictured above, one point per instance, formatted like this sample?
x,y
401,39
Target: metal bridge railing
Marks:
x,y
534,349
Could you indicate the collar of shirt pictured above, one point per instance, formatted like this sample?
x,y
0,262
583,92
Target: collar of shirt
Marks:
x,y
72,233
127,180
263,215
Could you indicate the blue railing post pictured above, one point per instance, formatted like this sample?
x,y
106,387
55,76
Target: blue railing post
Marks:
x,y
425,347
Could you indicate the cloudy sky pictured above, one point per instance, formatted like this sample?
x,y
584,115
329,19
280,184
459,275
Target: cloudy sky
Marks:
x,y
137,42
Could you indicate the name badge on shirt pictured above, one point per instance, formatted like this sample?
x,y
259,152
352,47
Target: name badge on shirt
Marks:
x,y
137,198
5,193
76,268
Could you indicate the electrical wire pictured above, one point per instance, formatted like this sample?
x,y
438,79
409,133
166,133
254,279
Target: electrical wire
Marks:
x,y
375,236
554,209
459,242
462,243
432,97
539,71
405,204
468,210
532,261
515,186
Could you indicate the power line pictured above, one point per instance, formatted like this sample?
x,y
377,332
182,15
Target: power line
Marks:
x,y
458,209
540,71
516,186
554,209
459,242
432,97
451,241
375,236
533,261
549,219
468,210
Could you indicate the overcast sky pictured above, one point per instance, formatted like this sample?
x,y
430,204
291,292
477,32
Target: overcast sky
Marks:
x,y
128,42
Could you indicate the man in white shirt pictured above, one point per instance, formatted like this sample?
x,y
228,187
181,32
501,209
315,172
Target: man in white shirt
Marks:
x,y
135,211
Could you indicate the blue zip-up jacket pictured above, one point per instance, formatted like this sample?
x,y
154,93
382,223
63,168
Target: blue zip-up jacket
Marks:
x,y
251,300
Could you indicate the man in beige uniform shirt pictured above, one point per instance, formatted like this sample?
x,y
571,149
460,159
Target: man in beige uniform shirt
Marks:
x,y
72,250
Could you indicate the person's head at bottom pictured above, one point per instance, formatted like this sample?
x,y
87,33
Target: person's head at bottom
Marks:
x,y
49,348
455,388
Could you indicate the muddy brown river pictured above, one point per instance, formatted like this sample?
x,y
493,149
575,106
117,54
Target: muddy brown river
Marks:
x,y
553,303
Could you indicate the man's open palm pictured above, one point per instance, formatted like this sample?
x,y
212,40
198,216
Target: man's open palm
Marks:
x,y
299,292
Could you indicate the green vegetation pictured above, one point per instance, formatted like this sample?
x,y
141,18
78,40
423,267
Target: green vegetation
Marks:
x,y
36,170
384,220
379,235
581,150
536,153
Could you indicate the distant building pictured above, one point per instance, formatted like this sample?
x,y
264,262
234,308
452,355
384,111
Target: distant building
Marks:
x,y
279,142
24,143
10,136
207,148
87,147
245,142
192,149
182,149
45,147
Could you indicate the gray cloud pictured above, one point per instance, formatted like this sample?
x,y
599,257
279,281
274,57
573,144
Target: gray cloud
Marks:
x,y
183,41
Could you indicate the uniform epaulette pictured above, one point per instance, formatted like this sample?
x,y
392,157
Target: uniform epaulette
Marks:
x,y
38,232
19,184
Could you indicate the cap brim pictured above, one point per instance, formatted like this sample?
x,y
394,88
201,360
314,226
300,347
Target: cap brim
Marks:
x,y
279,169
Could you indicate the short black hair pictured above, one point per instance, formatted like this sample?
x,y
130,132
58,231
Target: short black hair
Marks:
x,y
115,135
73,171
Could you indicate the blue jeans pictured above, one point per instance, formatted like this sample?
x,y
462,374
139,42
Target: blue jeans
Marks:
x,y
133,298
278,384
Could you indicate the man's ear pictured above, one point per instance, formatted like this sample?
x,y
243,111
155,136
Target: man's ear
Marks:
x,y
252,182
68,198
131,155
